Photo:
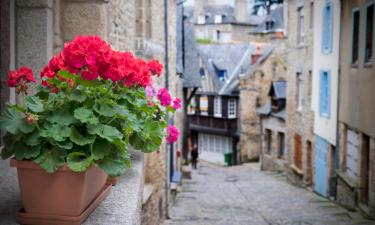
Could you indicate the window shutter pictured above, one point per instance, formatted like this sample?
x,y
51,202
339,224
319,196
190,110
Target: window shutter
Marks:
x,y
328,96
327,29
321,93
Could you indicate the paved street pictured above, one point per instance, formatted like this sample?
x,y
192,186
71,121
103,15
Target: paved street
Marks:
x,y
243,195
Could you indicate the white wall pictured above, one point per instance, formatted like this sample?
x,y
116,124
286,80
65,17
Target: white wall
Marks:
x,y
326,128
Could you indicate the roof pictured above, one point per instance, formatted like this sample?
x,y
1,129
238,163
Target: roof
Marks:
x,y
188,50
246,68
278,89
276,16
265,110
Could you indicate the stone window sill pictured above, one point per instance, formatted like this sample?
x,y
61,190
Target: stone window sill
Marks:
x,y
296,170
347,180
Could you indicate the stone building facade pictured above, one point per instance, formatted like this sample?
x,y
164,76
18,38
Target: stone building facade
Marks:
x,y
300,117
254,87
356,176
34,30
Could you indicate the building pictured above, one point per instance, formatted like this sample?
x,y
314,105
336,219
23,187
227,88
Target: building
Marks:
x,y
222,23
254,88
300,117
356,176
272,127
326,42
33,30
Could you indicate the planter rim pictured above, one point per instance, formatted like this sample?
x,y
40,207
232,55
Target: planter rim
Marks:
x,y
28,164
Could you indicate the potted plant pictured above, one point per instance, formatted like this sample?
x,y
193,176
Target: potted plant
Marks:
x,y
74,130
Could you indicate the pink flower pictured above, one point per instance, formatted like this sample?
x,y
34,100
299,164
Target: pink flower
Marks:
x,y
89,75
150,91
164,97
172,134
176,103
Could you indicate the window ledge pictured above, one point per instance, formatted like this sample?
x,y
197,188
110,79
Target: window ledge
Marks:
x,y
346,179
368,65
296,170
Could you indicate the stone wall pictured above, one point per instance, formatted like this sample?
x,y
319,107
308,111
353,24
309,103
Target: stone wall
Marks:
x,y
299,121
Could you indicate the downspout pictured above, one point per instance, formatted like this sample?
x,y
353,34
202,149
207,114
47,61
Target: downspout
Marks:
x,y
166,69
337,149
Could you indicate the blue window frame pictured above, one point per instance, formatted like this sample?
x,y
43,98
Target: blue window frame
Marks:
x,y
325,93
369,36
222,74
355,37
327,28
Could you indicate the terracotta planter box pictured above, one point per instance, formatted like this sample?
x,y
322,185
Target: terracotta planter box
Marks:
x,y
65,193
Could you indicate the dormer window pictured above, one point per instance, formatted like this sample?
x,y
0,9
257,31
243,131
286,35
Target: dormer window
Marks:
x,y
201,19
270,25
219,18
202,73
222,74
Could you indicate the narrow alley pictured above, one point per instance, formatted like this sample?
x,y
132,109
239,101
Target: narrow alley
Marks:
x,y
244,195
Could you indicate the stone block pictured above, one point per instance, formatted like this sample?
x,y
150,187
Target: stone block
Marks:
x,y
35,3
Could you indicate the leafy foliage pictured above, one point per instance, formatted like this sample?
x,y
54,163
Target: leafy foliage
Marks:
x,y
90,124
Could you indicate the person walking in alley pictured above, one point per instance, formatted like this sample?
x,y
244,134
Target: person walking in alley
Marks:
x,y
194,156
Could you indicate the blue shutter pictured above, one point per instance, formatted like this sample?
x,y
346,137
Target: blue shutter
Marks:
x,y
325,94
327,29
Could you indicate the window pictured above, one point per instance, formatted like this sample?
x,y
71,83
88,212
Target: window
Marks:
x,y
218,18
324,93
222,74
312,14
217,35
369,32
299,93
191,107
309,90
281,139
201,19
202,72
327,29
365,170
217,106
203,105
232,108
352,153
298,151
355,36
269,25
301,27
268,140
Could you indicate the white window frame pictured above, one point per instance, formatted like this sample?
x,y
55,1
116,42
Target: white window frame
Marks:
x,y
232,108
191,107
218,19
301,26
201,19
299,92
203,107
217,106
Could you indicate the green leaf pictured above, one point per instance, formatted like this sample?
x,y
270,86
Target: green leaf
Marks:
x,y
101,148
104,109
9,141
78,162
23,151
79,139
51,159
64,145
62,117
77,96
14,122
66,74
105,131
114,165
34,103
32,139
86,116
57,132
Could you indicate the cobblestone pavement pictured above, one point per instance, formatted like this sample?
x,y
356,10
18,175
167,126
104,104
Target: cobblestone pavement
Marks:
x,y
243,195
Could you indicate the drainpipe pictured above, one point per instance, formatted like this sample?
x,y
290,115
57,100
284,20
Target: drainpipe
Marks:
x,y
337,149
166,70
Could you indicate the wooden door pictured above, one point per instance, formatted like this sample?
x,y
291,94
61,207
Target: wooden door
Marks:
x,y
298,151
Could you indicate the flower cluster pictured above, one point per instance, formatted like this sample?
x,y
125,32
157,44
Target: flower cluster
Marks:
x,y
92,58
172,134
20,79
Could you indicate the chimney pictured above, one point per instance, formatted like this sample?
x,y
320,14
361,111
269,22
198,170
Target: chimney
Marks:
x,y
241,11
256,55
